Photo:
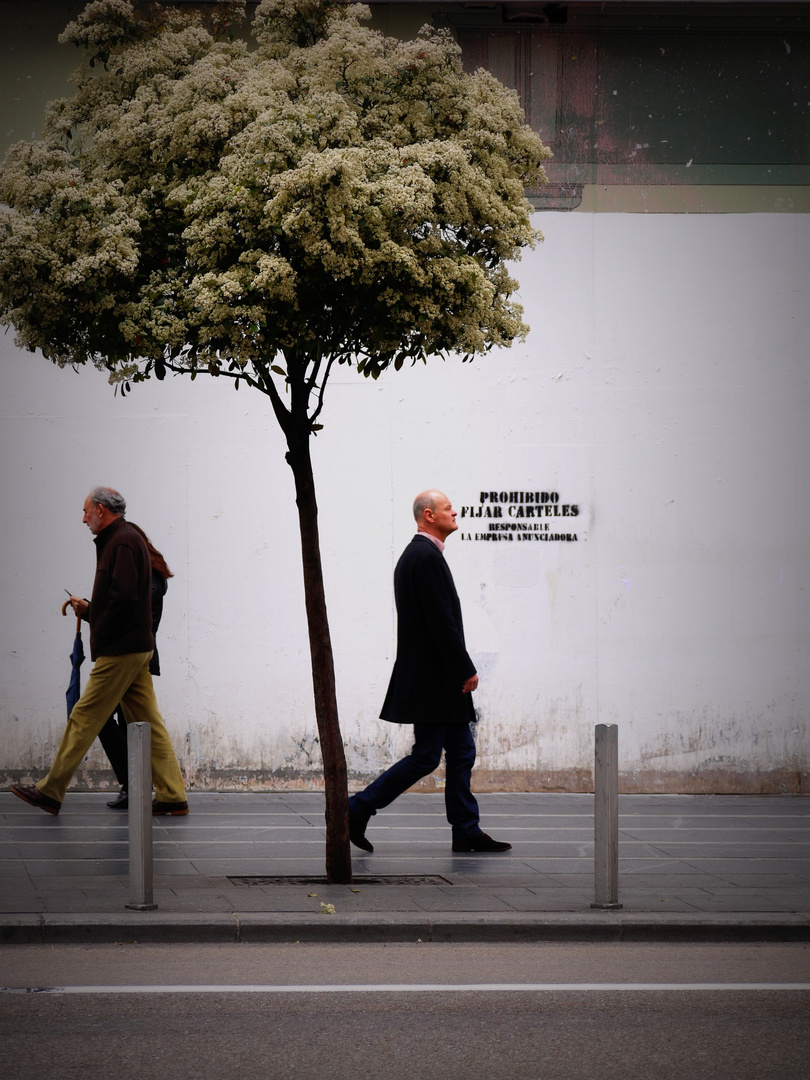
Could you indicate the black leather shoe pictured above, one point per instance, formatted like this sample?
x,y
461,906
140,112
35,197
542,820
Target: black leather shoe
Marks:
x,y
121,800
357,832
176,809
34,797
479,842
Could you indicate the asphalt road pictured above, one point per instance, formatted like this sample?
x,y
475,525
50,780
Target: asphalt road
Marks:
x,y
539,1012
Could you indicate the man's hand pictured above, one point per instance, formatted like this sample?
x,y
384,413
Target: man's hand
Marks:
x,y
470,685
79,606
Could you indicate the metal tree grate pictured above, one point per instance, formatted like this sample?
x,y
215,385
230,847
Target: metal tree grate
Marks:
x,y
357,879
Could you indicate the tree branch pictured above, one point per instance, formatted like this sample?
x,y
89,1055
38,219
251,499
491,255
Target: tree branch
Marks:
x,y
321,390
268,386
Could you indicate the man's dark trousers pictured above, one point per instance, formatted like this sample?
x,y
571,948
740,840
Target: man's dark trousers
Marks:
x,y
428,742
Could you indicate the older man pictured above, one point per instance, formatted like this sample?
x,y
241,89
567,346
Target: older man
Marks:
x,y
431,685
121,643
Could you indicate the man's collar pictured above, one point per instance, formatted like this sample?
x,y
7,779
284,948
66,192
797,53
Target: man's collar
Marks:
x,y
429,536
108,530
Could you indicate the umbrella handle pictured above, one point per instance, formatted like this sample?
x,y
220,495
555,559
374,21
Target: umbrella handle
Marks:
x,y
65,606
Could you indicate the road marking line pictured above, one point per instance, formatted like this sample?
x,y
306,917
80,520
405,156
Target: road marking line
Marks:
x,y
403,988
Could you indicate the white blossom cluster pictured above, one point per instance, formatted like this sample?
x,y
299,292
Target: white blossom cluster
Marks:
x,y
325,192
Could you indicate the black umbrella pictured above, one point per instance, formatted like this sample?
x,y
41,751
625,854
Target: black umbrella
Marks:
x,y
74,689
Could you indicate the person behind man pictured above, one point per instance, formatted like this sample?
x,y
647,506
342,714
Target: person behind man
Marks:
x,y
431,685
121,644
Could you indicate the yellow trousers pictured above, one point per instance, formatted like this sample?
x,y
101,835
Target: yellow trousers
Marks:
x,y
114,679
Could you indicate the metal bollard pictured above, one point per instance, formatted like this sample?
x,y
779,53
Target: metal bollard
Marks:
x,y
139,757
606,817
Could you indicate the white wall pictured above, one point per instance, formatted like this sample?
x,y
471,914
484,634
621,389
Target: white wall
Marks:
x,y
663,389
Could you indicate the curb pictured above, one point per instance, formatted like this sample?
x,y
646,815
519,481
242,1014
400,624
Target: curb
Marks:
x,y
270,927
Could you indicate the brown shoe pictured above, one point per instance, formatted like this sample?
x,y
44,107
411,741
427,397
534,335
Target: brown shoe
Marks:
x,y
176,809
35,797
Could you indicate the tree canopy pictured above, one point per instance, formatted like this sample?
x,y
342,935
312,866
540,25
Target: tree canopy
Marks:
x,y
330,194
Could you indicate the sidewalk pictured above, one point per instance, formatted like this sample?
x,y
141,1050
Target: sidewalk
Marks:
x,y
696,867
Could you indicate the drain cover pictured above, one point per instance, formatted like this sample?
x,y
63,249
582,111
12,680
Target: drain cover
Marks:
x,y
357,879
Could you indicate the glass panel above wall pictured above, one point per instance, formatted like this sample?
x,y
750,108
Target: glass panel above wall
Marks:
x,y
654,96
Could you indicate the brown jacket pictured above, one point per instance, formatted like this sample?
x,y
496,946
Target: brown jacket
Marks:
x,y
120,612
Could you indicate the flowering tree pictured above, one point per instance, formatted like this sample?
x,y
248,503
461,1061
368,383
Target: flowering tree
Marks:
x,y
261,212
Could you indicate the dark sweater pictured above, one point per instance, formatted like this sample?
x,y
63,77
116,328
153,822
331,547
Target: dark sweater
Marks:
x,y
120,612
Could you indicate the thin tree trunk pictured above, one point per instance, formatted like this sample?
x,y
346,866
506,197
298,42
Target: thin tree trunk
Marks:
x,y
338,852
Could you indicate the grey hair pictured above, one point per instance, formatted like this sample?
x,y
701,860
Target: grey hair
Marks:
x,y
423,502
109,497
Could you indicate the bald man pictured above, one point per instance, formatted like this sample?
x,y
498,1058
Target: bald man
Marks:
x,y
431,685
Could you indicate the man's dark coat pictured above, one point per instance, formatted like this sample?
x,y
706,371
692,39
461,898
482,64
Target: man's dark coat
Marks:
x,y
432,663
120,611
